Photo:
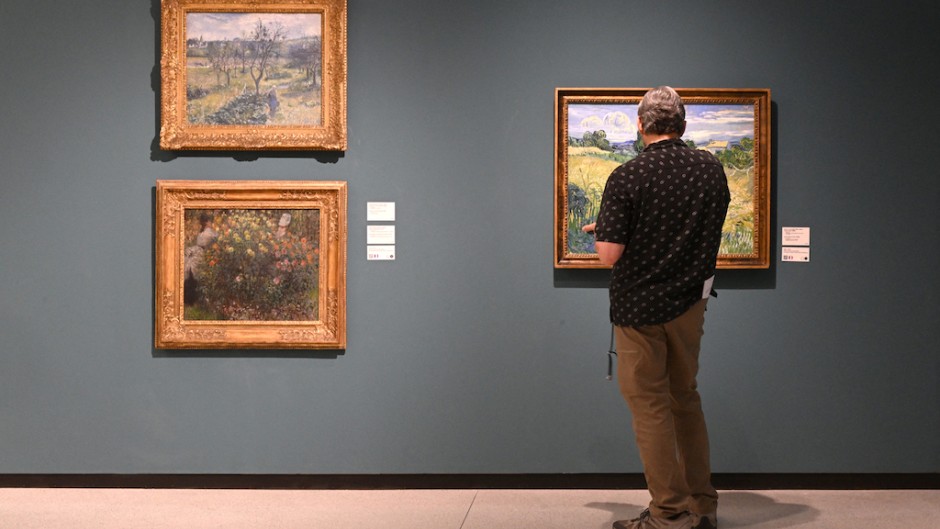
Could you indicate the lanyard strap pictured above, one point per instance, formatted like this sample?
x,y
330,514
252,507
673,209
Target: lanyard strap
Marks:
x,y
611,353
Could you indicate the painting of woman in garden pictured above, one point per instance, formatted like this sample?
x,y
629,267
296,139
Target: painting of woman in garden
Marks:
x,y
251,264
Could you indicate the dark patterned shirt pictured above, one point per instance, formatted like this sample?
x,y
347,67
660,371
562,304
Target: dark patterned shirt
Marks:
x,y
666,206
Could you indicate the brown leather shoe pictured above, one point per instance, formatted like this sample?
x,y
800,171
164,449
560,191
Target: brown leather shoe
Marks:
x,y
648,521
704,521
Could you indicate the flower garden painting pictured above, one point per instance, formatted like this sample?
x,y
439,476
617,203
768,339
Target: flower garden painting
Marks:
x,y
254,68
251,264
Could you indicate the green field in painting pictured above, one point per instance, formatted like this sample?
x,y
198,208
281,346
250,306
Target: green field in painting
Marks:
x,y
589,168
299,101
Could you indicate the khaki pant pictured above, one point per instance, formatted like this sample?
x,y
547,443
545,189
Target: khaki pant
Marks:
x,y
656,370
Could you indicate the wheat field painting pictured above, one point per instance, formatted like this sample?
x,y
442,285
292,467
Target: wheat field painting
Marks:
x,y
601,137
596,131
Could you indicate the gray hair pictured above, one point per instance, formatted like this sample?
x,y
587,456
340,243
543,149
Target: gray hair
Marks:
x,y
661,111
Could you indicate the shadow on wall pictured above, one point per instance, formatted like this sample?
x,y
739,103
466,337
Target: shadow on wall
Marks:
x,y
724,279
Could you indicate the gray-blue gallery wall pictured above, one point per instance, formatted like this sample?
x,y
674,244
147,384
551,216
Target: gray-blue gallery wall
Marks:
x,y
469,353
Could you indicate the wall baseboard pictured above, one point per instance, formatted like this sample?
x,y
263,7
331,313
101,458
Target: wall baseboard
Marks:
x,y
786,481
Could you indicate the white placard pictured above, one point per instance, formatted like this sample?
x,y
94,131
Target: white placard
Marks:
x,y
380,235
795,255
380,253
380,212
795,236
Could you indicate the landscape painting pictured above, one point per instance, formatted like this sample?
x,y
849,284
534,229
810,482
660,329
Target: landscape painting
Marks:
x,y
599,133
254,68
240,75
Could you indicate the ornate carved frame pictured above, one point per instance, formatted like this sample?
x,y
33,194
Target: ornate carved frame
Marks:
x,y
173,331
760,203
176,133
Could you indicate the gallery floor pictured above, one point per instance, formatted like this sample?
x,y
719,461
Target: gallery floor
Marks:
x,y
63,508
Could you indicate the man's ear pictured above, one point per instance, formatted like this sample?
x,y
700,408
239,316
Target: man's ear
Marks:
x,y
682,129
639,125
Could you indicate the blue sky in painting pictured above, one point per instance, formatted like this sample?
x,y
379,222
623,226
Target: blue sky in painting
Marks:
x,y
705,122
618,121
222,26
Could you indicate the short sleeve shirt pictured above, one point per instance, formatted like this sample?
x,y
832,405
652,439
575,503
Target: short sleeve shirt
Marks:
x,y
667,207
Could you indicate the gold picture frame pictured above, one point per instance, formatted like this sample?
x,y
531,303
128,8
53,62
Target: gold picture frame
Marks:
x,y
250,265
595,131
253,75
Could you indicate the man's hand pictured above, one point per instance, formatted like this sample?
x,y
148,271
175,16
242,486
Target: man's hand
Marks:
x,y
608,252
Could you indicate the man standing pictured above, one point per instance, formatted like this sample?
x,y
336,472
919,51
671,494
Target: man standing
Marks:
x,y
659,225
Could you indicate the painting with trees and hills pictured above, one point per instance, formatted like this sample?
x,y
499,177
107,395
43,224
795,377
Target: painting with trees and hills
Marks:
x,y
597,132
253,68
253,75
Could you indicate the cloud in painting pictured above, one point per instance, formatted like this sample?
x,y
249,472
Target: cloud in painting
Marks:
x,y
619,126
612,119
710,122
591,123
228,26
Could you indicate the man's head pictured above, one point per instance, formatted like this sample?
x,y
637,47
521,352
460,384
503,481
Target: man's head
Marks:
x,y
661,112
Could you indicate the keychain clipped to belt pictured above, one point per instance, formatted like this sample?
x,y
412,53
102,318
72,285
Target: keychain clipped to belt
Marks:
x,y
611,353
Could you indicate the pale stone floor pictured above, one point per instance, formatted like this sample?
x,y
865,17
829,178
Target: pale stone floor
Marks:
x,y
60,508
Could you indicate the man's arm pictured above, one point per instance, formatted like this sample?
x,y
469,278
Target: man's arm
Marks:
x,y
609,252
